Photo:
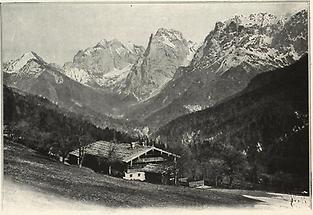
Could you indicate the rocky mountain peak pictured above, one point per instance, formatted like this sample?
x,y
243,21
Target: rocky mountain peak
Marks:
x,y
104,65
167,49
256,39
31,55
232,53
27,59
169,33
113,45
256,19
102,42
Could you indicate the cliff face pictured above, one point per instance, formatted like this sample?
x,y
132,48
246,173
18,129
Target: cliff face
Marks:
x,y
33,75
104,65
233,52
166,51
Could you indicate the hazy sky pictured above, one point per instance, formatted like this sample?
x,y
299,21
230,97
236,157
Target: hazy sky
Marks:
x,y
56,31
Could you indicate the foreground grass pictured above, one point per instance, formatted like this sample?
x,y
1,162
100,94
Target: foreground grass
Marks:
x,y
25,166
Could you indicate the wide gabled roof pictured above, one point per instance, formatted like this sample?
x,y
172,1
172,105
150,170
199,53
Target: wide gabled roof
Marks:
x,y
123,151
154,168
157,168
151,148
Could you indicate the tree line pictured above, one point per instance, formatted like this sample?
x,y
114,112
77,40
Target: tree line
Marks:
x,y
39,124
259,137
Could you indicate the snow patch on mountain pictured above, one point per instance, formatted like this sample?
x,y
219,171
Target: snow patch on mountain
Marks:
x,y
193,46
104,65
256,19
166,41
76,103
78,75
16,65
115,76
252,40
194,108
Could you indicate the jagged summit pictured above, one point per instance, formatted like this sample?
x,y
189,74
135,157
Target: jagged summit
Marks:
x,y
174,34
258,19
113,45
30,54
169,37
261,19
49,81
167,50
102,42
257,41
114,64
104,65
16,66
232,53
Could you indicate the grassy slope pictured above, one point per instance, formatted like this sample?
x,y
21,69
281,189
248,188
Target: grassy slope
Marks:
x,y
25,166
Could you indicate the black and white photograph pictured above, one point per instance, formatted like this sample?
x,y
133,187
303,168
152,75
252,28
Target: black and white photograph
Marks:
x,y
138,105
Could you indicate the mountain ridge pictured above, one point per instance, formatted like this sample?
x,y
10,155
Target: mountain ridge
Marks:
x,y
112,64
50,82
265,125
230,56
167,49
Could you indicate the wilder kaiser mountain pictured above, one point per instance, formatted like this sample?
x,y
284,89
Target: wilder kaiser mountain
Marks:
x,y
171,77
230,113
129,69
167,50
104,65
232,53
32,74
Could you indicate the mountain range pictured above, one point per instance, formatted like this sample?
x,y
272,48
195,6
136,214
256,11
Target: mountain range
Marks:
x,y
172,76
33,75
167,50
130,69
104,65
234,107
233,52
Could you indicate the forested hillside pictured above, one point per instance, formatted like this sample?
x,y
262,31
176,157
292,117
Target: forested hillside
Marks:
x,y
260,135
36,122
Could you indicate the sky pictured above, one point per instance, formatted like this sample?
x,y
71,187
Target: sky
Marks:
x,y
57,31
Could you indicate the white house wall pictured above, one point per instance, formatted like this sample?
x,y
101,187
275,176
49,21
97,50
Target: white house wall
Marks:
x,y
140,176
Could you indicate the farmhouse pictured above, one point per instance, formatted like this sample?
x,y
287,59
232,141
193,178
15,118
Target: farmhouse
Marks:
x,y
132,161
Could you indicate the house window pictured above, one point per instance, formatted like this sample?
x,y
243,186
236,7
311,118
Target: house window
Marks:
x,y
131,175
138,174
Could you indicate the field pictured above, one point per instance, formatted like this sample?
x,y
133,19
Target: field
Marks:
x,y
46,182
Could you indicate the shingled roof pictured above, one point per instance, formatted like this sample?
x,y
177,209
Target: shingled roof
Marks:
x,y
123,151
155,168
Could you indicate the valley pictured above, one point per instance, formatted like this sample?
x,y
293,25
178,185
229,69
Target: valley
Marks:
x,y
230,112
